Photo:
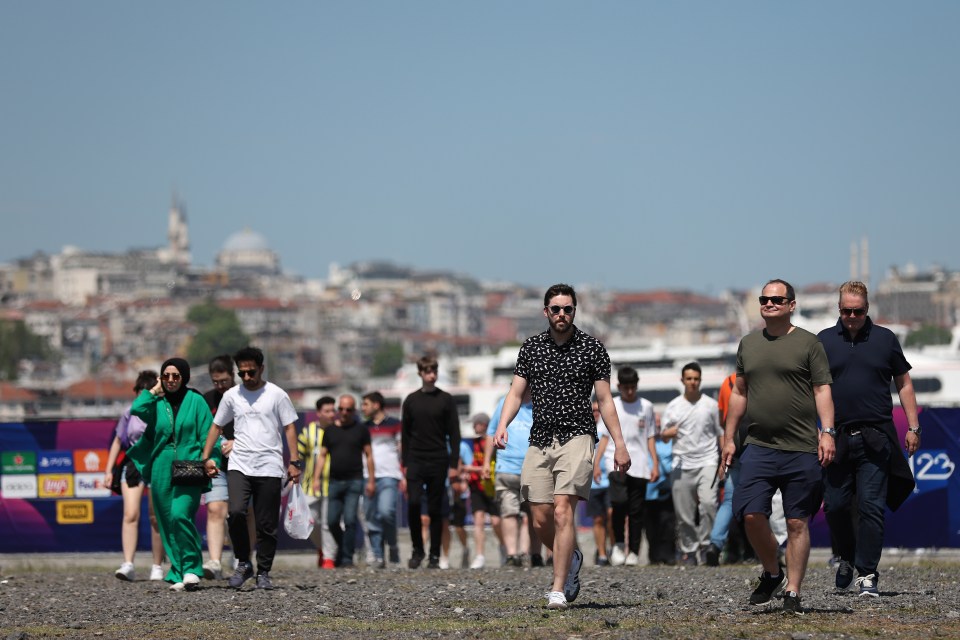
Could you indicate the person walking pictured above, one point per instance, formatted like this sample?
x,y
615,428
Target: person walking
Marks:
x,y
177,420
562,366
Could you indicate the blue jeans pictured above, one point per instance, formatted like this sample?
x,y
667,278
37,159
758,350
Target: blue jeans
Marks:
x,y
343,501
382,516
863,470
721,525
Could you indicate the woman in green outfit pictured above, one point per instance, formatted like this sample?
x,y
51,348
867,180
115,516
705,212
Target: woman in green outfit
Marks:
x,y
177,420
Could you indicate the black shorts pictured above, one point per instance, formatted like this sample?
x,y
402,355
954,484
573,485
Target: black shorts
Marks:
x,y
598,503
479,501
763,470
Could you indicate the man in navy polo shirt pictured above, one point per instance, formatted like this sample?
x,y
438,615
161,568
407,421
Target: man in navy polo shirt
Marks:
x,y
864,358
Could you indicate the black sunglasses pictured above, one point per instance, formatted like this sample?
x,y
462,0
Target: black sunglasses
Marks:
x,y
856,313
555,309
777,300
247,373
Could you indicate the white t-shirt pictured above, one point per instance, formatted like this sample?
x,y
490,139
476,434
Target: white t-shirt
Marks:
x,y
638,424
695,446
259,418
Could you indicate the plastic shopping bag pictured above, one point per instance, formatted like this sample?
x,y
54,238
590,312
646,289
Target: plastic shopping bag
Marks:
x,y
298,520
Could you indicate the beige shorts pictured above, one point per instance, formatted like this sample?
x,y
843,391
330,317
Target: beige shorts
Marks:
x,y
558,470
508,494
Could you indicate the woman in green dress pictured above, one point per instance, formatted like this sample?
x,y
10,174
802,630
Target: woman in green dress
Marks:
x,y
177,420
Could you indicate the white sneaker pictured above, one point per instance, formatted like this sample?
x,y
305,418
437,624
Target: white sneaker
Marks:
x,y
177,586
478,562
556,600
126,572
371,558
616,556
212,570
632,560
444,562
156,572
190,581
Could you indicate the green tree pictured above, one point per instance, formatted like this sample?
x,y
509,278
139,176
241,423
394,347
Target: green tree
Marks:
x,y
218,331
387,359
18,342
927,334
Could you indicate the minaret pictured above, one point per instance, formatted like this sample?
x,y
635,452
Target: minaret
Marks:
x,y
178,236
853,260
865,260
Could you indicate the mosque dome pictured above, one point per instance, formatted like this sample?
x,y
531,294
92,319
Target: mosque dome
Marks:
x,y
246,240
248,251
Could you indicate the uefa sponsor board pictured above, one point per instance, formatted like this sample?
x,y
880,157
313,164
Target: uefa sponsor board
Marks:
x,y
18,463
18,486
90,485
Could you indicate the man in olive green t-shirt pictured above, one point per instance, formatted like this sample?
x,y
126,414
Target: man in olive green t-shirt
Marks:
x,y
783,384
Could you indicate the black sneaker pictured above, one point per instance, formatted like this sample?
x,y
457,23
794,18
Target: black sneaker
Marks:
x,y
767,586
844,575
571,588
416,559
868,586
433,562
712,555
536,560
264,582
791,603
243,573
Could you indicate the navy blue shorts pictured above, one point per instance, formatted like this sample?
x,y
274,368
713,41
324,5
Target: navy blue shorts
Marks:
x,y
598,503
797,474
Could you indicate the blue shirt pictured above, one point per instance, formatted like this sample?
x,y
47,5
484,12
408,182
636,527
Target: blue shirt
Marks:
x,y
510,460
862,369
660,490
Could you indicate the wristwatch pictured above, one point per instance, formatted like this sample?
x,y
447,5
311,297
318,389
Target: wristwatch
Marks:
x,y
915,429
831,432
297,464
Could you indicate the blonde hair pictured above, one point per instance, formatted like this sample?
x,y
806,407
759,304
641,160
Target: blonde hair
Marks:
x,y
855,288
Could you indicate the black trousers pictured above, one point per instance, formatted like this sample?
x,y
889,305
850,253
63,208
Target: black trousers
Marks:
x,y
632,509
265,493
433,476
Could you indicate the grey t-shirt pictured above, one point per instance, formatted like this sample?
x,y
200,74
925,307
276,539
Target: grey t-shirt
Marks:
x,y
780,373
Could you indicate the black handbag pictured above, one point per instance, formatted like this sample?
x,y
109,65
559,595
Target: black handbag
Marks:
x,y
188,473
185,473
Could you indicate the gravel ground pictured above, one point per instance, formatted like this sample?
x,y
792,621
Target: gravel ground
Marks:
x,y
49,599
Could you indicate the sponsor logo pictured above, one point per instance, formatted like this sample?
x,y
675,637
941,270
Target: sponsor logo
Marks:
x,y
75,512
55,462
55,485
932,469
17,486
90,460
90,485
18,462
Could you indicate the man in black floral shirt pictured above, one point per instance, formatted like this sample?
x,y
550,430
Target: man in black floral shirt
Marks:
x,y
563,366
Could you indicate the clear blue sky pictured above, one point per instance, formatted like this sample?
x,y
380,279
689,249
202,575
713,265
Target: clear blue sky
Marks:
x,y
632,145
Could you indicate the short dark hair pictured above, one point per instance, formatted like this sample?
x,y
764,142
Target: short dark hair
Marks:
x,y
691,365
427,362
560,290
627,375
375,397
791,294
146,379
221,364
248,354
325,400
